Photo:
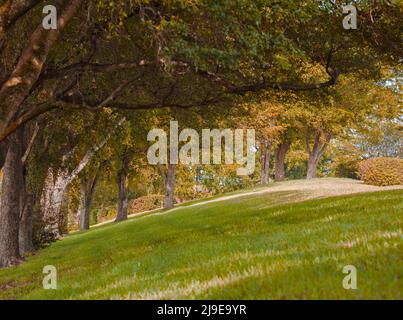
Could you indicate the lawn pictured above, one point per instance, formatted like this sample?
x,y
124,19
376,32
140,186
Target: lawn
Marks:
x,y
264,246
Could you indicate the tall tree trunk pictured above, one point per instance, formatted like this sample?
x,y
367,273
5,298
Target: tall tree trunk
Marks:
x,y
316,152
168,175
87,189
280,160
122,186
11,202
265,163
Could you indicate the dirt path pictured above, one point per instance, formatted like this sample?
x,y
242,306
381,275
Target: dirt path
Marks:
x,y
313,189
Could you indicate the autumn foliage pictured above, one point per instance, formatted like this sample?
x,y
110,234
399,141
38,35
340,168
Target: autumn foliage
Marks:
x,y
381,171
145,203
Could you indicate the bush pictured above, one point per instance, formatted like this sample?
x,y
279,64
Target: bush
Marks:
x,y
381,171
146,203
346,167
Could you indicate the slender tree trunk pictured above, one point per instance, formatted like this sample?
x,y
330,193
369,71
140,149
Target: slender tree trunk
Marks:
x,y
27,198
316,152
280,160
312,167
168,175
85,207
11,203
122,186
87,189
265,163
25,230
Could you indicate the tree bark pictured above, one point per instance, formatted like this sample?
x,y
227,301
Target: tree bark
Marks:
x,y
87,189
27,197
122,187
168,176
52,201
316,152
280,160
26,215
25,229
312,167
265,163
11,203
3,153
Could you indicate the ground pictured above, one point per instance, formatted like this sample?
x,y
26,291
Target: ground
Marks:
x,y
268,243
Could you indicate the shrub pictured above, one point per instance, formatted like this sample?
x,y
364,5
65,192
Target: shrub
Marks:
x,y
381,171
146,203
346,167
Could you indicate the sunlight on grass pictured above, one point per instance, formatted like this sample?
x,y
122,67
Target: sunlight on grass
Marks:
x,y
257,247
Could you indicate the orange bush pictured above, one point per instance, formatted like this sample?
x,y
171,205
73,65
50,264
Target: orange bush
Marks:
x,y
381,171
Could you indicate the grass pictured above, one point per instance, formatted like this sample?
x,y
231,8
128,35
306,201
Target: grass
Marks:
x,y
184,204
253,247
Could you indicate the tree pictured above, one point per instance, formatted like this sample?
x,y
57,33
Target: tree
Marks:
x,y
23,77
263,112
11,203
174,55
122,187
281,152
168,176
334,113
87,188
215,60
16,201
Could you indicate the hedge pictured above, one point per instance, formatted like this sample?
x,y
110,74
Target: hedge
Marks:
x,y
381,171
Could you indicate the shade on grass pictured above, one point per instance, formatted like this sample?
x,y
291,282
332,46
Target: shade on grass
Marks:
x,y
264,246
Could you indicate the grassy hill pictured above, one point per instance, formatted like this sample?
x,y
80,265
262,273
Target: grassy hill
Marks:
x,y
263,246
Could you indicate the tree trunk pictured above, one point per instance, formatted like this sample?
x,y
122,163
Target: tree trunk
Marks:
x,y
316,152
27,198
52,202
312,167
87,189
11,203
122,186
25,230
168,175
280,160
265,163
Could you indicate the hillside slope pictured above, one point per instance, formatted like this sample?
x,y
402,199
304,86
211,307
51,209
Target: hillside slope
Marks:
x,y
251,247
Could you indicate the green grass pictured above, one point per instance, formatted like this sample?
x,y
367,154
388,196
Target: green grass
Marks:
x,y
253,247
